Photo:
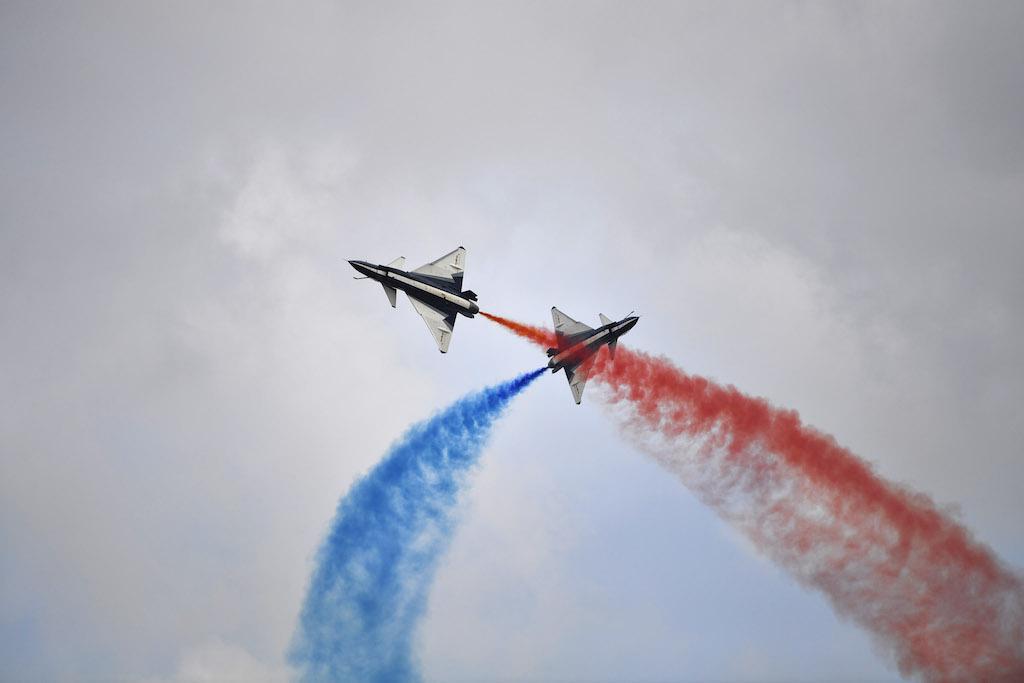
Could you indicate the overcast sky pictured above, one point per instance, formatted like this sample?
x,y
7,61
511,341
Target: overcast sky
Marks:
x,y
819,203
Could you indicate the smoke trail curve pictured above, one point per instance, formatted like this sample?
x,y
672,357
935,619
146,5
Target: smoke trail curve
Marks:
x,y
938,601
374,570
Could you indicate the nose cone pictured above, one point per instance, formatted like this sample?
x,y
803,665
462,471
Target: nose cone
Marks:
x,y
360,266
631,322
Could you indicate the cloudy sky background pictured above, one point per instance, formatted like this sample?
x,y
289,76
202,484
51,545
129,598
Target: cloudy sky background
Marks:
x,y
819,204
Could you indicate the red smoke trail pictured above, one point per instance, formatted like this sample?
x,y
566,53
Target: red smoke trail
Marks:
x,y
538,335
939,601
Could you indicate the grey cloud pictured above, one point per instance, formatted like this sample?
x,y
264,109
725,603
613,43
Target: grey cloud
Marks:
x,y
817,202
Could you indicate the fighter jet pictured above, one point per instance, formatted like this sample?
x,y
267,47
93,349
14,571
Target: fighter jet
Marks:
x,y
578,343
435,290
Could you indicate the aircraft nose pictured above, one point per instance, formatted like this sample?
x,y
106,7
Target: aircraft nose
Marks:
x,y
362,267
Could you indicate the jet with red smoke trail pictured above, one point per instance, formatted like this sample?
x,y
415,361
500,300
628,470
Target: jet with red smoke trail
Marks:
x,y
435,290
942,604
577,344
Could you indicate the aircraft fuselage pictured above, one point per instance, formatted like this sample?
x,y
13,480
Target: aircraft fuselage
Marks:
x,y
433,291
583,346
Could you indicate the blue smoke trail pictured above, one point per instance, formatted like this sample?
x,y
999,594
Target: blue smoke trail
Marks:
x,y
375,568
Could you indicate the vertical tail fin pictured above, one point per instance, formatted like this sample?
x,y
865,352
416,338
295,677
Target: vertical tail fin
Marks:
x,y
392,295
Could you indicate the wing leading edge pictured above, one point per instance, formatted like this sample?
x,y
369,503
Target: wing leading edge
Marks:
x,y
566,326
577,380
450,267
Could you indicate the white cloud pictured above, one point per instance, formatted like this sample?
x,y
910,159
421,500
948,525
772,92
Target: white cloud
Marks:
x,y
219,662
289,202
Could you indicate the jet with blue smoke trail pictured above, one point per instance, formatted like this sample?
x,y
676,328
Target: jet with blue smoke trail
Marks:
x,y
374,570
577,343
